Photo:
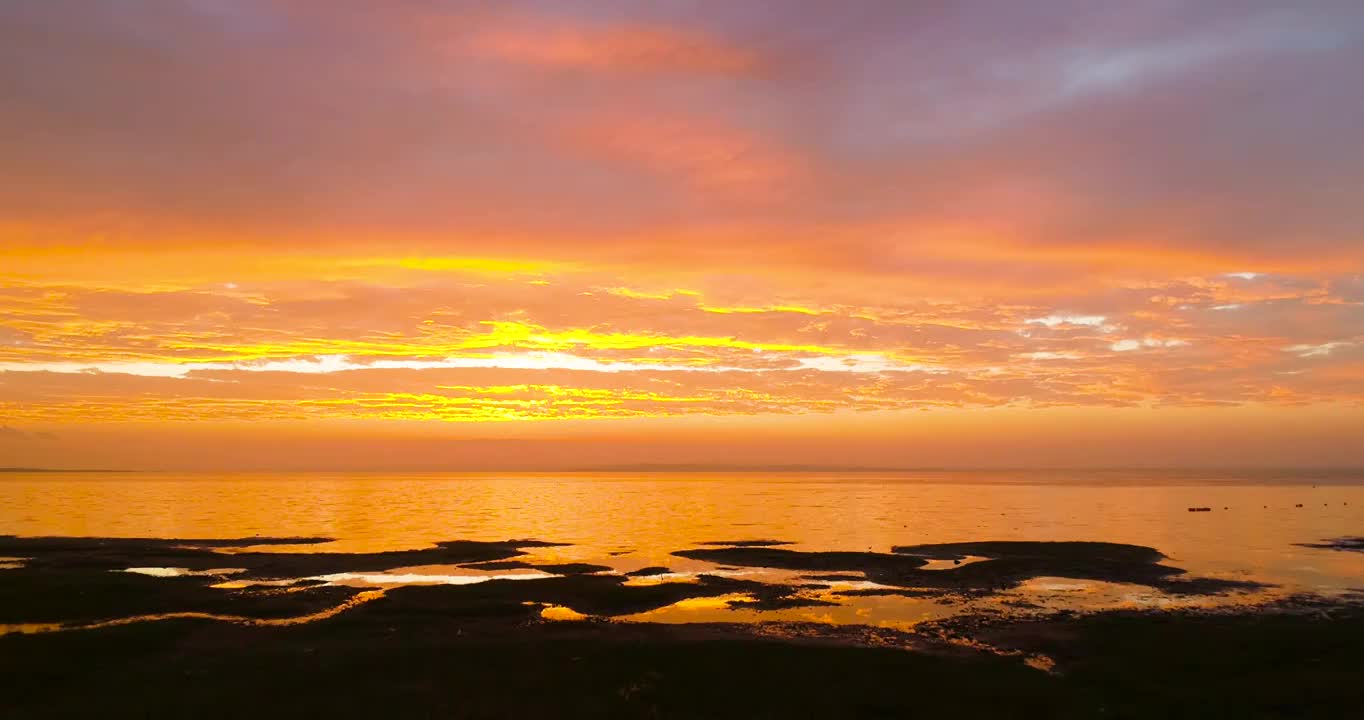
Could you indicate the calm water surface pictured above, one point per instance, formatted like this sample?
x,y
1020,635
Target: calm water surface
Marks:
x,y
633,520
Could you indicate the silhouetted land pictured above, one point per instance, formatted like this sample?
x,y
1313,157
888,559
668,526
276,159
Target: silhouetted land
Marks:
x,y
1005,565
483,651
1344,543
59,470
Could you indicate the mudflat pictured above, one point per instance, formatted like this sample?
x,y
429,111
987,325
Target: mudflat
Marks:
x,y
85,639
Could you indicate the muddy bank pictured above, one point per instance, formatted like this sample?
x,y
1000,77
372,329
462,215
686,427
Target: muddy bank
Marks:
x,y
783,559
746,543
1355,544
552,568
120,553
995,566
45,595
77,581
603,596
1071,550
82,580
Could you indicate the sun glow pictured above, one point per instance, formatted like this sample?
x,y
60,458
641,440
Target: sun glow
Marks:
x,y
697,220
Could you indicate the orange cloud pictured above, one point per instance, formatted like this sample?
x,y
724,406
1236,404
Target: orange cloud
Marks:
x,y
318,214
614,47
709,158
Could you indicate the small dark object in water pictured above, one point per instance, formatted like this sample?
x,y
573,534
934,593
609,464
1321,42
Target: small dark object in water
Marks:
x,y
1200,509
1298,505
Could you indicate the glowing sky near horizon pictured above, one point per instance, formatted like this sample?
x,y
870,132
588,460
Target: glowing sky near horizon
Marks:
x,y
426,217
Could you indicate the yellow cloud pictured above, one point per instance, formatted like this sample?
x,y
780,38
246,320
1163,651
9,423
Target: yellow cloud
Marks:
x,y
767,309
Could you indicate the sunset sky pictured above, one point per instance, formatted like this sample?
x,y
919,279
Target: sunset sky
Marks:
x,y
416,235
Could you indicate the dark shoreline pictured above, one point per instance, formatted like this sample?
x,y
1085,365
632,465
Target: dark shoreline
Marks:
x,y
82,580
26,470
468,662
485,651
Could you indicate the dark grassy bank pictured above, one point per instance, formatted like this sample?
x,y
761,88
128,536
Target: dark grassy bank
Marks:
x,y
482,651
1251,664
391,660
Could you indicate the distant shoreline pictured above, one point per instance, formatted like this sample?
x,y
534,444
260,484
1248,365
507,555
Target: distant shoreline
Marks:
x,y
64,470
703,468
930,469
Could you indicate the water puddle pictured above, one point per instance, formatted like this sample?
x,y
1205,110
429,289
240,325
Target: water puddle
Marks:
x,y
697,609
166,572
561,613
243,584
392,578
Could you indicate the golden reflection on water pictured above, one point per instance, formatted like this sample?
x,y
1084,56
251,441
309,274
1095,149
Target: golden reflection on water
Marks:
x,y
561,613
630,521
181,572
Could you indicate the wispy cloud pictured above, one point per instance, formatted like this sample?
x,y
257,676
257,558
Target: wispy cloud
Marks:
x,y
15,434
467,213
613,47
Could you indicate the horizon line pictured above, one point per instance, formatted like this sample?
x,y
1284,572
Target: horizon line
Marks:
x,y
716,468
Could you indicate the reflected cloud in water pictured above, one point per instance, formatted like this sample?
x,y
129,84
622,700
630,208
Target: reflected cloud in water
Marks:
x,y
181,572
346,578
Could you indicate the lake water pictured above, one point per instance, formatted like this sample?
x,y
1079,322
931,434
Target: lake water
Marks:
x,y
632,520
